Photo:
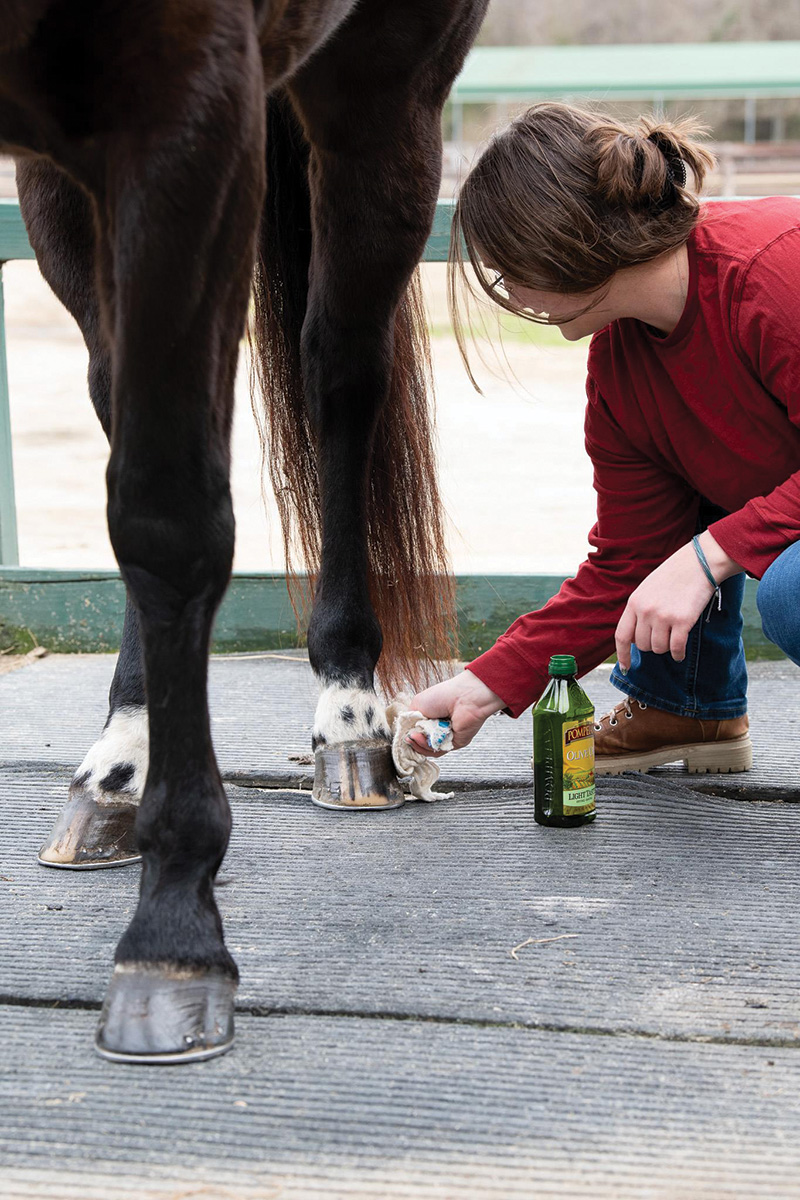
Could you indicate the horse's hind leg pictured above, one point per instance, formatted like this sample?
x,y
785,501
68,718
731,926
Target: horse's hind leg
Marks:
x,y
182,237
96,827
374,176
347,356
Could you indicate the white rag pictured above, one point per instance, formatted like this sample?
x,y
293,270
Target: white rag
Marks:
x,y
423,771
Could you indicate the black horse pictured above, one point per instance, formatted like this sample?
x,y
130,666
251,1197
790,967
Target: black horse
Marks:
x,y
139,129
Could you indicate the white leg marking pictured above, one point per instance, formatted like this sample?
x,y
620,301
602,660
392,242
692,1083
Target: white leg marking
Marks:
x,y
348,714
116,765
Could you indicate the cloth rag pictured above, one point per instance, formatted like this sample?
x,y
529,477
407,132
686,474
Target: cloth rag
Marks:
x,y
423,772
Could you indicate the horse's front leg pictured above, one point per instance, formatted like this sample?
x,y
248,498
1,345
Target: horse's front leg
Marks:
x,y
181,231
96,827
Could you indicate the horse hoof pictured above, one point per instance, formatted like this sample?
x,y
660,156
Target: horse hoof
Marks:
x,y
356,775
166,1015
89,834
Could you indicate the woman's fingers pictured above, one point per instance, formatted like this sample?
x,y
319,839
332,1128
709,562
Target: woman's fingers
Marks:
x,y
420,743
677,643
637,631
461,738
465,700
664,608
660,639
625,636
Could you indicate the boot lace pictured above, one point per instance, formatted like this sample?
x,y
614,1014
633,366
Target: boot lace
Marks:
x,y
617,710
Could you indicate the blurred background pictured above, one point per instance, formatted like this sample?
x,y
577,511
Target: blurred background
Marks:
x,y
515,477
735,65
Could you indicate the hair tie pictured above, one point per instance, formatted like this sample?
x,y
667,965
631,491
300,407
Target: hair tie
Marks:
x,y
676,167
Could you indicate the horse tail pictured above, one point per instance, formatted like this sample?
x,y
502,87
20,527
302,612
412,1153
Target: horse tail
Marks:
x,y
411,588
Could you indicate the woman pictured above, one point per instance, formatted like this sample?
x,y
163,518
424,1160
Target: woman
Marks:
x,y
692,425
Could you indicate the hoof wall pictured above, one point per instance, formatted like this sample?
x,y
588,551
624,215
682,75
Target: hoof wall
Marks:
x,y
356,775
163,1015
89,835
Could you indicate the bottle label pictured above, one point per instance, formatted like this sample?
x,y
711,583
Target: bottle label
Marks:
x,y
578,777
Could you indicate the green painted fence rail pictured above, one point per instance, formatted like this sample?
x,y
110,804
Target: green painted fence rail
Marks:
x,y
81,611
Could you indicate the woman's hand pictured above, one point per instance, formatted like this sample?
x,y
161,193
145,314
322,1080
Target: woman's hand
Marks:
x,y
665,607
465,700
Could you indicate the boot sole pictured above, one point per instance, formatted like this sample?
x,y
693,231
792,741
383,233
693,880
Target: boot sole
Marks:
x,y
699,758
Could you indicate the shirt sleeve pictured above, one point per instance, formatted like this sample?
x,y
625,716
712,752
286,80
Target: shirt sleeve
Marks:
x,y
766,331
644,513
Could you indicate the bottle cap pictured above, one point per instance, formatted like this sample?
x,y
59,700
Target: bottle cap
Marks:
x,y
563,664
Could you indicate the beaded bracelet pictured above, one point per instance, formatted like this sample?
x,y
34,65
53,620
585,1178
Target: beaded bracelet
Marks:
x,y
698,549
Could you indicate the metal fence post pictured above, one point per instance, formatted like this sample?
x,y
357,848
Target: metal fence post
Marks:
x,y
9,547
750,119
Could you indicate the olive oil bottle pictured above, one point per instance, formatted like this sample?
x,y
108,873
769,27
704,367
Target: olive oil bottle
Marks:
x,y
563,749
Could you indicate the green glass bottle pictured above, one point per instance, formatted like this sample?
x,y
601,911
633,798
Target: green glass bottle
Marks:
x,y
563,749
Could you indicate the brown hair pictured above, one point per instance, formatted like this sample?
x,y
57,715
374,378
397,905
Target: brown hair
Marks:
x,y
563,198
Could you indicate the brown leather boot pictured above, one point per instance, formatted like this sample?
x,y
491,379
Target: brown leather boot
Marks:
x,y
635,737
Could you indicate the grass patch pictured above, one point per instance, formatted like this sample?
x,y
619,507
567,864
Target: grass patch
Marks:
x,y
14,640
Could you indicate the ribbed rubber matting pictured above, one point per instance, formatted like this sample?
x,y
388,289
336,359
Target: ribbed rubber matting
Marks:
x,y
262,710
642,1041
681,909
330,1108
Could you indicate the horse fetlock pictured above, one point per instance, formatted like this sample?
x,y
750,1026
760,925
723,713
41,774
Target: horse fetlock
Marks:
x,y
344,640
348,713
176,921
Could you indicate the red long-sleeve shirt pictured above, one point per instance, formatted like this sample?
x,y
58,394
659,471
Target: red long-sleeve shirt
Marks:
x,y
711,410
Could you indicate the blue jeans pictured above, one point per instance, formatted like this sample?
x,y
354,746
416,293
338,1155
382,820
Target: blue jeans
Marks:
x,y
711,682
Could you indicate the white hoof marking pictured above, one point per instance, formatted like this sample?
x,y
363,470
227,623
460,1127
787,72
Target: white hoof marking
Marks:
x,y
348,714
117,762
